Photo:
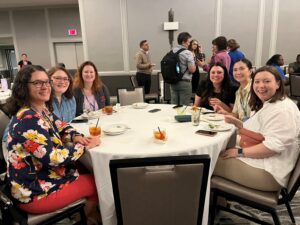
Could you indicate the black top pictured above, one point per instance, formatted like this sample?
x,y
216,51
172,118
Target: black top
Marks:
x,y
20,63
102,97
226,96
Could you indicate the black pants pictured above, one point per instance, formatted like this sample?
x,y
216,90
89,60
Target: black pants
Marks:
x,y
144,80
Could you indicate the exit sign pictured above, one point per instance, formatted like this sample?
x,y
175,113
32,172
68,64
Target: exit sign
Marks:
x,y
72,32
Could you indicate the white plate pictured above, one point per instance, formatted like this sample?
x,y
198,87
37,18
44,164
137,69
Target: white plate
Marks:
x,y
92,115
219,127
139,105
213,117
115,129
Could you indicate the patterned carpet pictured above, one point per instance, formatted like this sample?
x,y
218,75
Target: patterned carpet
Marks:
x,y
224,218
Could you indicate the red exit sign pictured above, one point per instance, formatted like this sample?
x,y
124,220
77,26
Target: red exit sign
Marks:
x,y
72,32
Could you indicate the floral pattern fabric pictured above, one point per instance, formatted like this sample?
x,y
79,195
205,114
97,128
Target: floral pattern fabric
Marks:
x,y
40,159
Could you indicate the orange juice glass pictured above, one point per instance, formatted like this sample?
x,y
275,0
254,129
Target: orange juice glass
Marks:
x,y
108,109
95,131
160,134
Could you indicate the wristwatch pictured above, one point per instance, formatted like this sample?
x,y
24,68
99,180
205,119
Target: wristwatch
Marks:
x,y
241,152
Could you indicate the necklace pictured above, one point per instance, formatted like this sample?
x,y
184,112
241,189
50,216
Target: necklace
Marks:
x,y
49,121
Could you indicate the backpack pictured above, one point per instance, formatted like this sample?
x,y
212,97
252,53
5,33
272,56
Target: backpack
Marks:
x,y
170,68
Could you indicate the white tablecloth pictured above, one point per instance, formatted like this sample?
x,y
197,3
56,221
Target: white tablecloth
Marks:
x,y
4,95
138,142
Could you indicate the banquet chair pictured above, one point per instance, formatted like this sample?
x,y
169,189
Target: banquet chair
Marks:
x,y
294,79
160,190
266,201
126,97
153,96
11,214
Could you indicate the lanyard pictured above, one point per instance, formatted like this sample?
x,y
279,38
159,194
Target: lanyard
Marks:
x,y
91,104
244,102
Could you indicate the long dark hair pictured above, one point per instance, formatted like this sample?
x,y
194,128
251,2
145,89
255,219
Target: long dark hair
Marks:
x,y
209,87
273,60
69,92
255,103
196,51
20,91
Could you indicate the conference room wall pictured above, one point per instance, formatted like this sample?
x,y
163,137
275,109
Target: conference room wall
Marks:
x,y
5,29
62,19
35,30
260,26
31,35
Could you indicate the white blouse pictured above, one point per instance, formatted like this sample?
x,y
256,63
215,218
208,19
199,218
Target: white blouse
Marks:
x,y
279,123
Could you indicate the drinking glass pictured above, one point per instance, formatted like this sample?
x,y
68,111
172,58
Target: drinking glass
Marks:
x,y
94,130
159,135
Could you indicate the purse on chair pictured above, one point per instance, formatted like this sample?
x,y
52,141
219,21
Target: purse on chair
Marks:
x,y
250,138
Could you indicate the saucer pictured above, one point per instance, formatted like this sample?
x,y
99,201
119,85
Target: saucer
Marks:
x,y
139,105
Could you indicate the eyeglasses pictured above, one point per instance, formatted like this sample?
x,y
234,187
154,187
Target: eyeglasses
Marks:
x,y
40,83
64,79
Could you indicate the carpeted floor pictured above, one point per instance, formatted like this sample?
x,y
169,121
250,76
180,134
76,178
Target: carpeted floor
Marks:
x,y
224,218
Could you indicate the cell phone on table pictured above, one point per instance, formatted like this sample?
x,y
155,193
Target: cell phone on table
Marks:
x,y
79,121
206,132
177,106
154,110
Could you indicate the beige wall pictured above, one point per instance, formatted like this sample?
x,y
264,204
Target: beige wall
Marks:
x,y
111,30
35,30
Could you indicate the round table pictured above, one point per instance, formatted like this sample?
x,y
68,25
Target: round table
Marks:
x,y
138,141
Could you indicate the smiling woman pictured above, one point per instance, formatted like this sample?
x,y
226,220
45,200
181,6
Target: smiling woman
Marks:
x,y
36,143
266,164
216,90
90,92
64,103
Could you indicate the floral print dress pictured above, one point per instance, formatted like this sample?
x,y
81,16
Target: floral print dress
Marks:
x,y
39,162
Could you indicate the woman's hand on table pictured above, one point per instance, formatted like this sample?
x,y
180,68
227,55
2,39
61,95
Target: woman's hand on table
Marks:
x,y
231,119
81,140
220,109
93,142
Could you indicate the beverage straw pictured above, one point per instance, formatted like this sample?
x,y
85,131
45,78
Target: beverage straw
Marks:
x,y
97,122
184,110
200,113
159,130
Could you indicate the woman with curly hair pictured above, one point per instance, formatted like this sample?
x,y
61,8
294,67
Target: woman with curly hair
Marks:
x,y
41,170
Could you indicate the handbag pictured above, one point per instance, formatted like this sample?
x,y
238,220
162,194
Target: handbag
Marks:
x,y
250,138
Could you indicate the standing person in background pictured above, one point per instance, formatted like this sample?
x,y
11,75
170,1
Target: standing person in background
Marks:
x,y
277,61
24,61
195,48
295,66
63,103
235,55
181,92
144,66
89,91
219,54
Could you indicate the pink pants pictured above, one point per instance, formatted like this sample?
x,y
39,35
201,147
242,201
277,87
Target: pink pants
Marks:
x,y
83,187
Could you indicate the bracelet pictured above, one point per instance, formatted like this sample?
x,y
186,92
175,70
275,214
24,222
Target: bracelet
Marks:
x,y
241,152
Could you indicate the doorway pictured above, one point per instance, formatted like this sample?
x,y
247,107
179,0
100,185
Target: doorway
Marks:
x,y
69,53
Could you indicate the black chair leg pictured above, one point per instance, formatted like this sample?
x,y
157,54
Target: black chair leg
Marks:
x,y
213,207
287,204
83,216
275,218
